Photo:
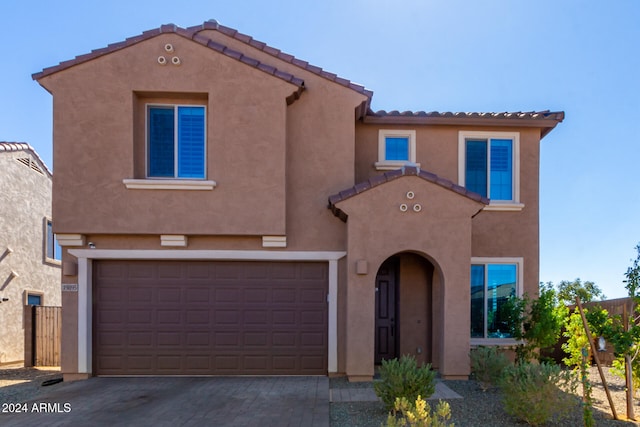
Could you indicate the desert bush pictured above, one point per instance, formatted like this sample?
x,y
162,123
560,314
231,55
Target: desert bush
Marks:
x,y
487,364
538,393
406,414
403,378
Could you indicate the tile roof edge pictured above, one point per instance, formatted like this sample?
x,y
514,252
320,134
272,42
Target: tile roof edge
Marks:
x,y
277,53
513,115
378,180
6,146
186,33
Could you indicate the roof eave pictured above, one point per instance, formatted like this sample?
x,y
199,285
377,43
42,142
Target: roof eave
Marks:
x,y
544,120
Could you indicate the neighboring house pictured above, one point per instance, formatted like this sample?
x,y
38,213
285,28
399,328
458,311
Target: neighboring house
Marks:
x,y
194,169
29,257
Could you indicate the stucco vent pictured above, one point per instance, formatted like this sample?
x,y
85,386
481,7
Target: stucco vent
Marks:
x,y
31,164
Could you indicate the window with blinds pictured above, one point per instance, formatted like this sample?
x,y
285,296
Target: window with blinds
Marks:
x,y
176,141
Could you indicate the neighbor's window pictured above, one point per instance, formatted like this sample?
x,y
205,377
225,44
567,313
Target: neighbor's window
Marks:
x,y
396,148
34,299
53,249
490,165
492,284
176,141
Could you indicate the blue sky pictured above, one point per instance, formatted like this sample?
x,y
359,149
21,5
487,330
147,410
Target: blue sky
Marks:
x,y
581,57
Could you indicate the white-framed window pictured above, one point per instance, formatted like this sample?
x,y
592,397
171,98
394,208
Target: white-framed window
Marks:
x,y
53,251
489,164
396,148
176,141
493,282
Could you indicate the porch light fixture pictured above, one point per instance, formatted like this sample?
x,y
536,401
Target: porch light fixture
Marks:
x,y
410,195
403,207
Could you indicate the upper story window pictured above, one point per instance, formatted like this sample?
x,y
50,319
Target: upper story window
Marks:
x,y
493,282
490,166
176,141
396,148
53,250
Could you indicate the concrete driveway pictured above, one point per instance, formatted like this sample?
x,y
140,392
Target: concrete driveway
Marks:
x,y
178,401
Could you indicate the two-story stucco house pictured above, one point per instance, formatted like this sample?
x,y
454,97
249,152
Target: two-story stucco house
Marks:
x,y
226,208
29,256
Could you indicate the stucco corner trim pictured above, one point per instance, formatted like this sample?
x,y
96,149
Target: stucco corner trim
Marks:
x,y
168,184
508,207
173,240
274,241
70,239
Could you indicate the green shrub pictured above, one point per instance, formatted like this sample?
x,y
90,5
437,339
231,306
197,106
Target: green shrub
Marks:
x,y
406,414
403,378
538,393
487,364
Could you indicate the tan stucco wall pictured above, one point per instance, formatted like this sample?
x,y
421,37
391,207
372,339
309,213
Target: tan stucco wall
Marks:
x,y
275,166
444,239
25,203
437,152
415,303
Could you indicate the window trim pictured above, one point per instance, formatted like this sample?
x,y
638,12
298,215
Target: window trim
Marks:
x,y
28,292
149,105
383,163
519,262
494,205
48,222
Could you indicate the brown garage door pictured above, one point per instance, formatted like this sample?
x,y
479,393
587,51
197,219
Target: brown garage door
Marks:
x,y
209,318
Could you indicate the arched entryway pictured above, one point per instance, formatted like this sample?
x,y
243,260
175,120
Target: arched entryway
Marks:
x,y
404,313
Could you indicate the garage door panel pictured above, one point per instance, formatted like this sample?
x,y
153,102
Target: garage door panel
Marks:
x,y
141,271
210,318
168,295
168,339
198,317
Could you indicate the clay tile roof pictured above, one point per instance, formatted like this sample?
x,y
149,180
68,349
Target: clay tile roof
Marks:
x,y
546,119
213,25
377,180
23,146
193,34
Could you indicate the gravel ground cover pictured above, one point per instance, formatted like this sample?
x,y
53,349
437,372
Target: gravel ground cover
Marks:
x,y
484,408
19,385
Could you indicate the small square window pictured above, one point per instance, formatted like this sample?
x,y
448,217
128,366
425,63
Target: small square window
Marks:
x,y
176,141
34,299
396,148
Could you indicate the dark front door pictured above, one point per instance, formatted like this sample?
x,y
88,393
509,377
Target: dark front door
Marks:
x,y
386,336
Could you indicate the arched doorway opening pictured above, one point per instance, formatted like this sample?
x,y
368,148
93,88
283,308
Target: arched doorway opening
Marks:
x,y
404,309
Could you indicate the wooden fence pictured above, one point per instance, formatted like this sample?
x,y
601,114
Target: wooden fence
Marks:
x,y
42,335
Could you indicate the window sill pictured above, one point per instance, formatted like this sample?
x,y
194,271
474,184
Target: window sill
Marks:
x,y
53,262
504,206
389,166
505,342
168,184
